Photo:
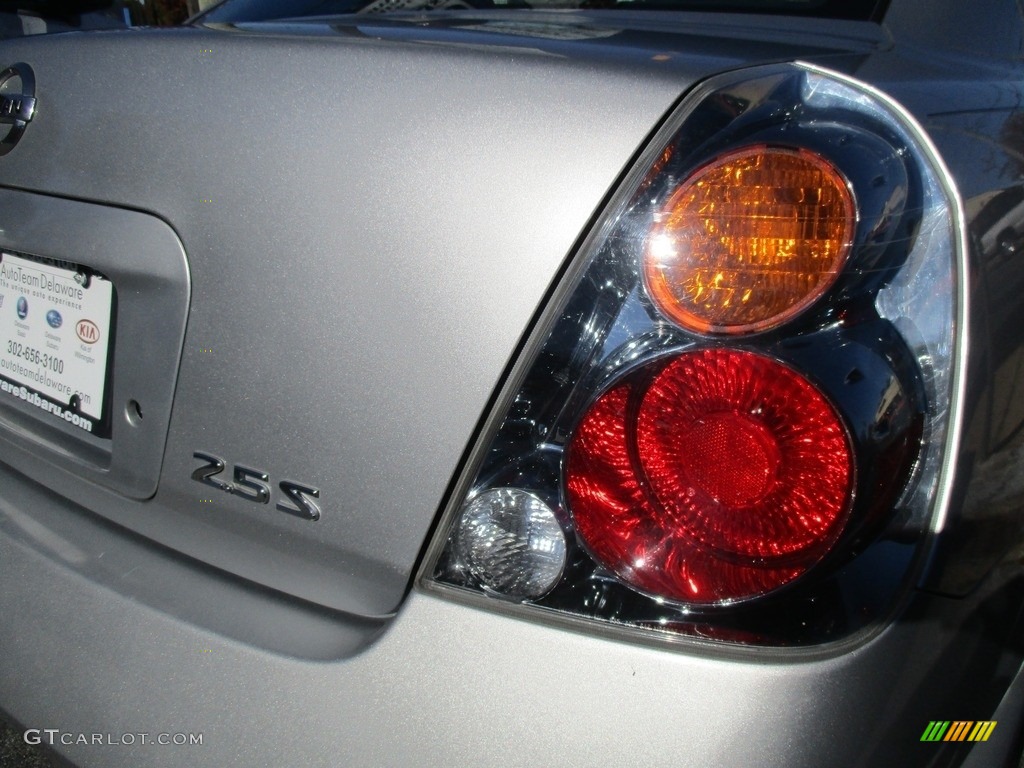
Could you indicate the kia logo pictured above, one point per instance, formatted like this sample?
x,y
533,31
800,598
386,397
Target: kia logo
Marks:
x,y
88,331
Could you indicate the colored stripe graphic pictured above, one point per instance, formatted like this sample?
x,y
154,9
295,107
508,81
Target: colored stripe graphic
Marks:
x,y
982,730
935,731
958,730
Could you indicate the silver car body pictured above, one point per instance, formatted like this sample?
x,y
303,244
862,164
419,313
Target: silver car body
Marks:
x,y
329,240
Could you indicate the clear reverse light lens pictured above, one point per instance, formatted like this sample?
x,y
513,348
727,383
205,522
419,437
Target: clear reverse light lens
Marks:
x,y
511,543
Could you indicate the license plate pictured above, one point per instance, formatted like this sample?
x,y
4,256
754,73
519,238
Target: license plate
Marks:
x,y
55,328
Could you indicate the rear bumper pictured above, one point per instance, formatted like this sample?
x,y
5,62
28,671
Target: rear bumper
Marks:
x,y
89,649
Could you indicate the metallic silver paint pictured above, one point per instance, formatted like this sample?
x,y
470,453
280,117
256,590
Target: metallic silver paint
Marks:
x,y
361,274
88,646
143,257
447,684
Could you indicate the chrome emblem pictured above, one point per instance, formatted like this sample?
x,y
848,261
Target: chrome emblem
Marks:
x,y
16,108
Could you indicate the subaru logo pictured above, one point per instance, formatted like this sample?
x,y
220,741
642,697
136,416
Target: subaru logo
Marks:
x,y
22,307
54,319
17,103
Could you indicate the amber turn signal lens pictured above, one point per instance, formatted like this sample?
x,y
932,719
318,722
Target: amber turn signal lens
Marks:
x,y
750,240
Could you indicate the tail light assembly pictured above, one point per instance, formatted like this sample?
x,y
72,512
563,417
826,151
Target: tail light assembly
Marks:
x,y
736,417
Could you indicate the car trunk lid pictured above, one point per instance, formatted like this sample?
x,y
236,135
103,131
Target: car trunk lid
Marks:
x,y
327,241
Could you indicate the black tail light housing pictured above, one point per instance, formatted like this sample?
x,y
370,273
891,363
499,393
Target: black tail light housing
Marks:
x,y
736,419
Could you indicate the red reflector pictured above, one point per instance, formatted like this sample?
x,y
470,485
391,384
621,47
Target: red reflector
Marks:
x,y
720,476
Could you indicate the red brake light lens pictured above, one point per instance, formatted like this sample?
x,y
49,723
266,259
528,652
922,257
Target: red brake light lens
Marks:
x,y
722,476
